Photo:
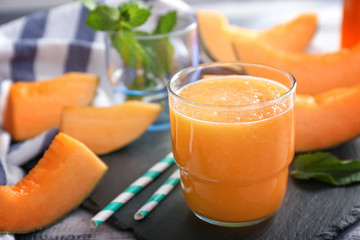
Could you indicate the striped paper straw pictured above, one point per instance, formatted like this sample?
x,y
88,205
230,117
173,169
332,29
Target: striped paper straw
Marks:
x,y
132,190
158,196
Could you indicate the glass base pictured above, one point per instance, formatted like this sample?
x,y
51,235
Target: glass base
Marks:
x,y
162,123
159,127
230,224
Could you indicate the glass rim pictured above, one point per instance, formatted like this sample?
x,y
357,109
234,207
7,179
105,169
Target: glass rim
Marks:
x,y
188,27
275,100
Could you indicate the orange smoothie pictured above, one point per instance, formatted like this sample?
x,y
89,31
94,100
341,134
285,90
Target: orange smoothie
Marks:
x,y
233,145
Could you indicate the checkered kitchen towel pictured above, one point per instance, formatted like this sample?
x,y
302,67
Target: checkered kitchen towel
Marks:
x,y
44,45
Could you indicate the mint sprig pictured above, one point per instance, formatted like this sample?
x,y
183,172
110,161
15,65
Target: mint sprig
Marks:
x,y
154,57
103,18
166,23
133,14
327,168
123,18
89,4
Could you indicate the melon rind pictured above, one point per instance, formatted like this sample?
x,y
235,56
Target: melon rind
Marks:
x,y
217,35
65,175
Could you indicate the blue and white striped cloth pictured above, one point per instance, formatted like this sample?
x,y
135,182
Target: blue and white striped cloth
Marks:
x,y
44,45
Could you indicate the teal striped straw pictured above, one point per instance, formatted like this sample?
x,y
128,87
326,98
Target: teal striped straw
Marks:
x,y
158,196
132,190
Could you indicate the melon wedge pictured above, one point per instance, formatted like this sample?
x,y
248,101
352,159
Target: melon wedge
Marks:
x,y
286,36
105,129
219,46
314,73
62,179
328,119
34,107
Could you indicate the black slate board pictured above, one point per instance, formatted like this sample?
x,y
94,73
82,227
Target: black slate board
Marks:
x,y
311,210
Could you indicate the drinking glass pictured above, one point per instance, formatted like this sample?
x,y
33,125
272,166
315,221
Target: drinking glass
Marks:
x,y
233,147
142,70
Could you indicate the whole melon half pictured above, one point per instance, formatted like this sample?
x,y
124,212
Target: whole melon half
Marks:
x,y
61,180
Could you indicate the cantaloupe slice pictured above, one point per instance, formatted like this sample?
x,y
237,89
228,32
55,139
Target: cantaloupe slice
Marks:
x,y
61,180
33,107
286,36
327,119
219,45
314,73
105,129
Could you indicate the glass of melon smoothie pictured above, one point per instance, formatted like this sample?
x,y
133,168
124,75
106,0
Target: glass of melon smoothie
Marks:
x,y
232,127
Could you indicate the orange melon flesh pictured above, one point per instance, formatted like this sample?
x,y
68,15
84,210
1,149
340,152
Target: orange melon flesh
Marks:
x,y
217,45
105,129
327,119
62,179
34,107
213,24
286,36
314,73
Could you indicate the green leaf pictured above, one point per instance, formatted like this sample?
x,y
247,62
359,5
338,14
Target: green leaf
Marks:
x,y
130,50
141,33
160,52
327,168
103,18
139,3
166,23
89,4
134,14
